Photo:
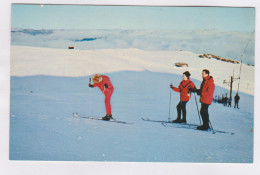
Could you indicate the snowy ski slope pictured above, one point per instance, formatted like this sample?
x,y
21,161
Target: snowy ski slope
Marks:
x,y
48,85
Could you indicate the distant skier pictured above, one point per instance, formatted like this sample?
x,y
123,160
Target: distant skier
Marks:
x,y
185,95
104,84
237,98
225,100
206,92
229,102
215,99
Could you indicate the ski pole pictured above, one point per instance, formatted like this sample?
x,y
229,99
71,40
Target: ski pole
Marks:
x,y
211,126
89,80
197,107
170,105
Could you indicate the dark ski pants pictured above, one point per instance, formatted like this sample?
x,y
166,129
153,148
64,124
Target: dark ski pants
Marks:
x,y
236,105
181,108
204,114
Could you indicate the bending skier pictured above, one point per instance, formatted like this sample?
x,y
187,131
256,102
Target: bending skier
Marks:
x,y
104,84
206,92
185,95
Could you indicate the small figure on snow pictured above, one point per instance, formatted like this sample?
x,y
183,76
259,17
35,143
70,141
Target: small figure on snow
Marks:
x,y
206,92
236,101
225,100
185,95
104,84
229,102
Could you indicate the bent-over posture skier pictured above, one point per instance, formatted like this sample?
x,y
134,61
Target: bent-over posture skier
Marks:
x,y
185,95
104,84
206,92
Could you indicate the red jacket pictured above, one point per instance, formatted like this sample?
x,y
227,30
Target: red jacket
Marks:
x,y
101,85
207,88
183,89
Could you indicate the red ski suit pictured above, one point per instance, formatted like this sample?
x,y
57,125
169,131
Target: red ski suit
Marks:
x,y
183,89
207,88
106,91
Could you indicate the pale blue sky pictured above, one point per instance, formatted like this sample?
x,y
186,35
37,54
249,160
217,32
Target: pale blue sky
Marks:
x,y
132,17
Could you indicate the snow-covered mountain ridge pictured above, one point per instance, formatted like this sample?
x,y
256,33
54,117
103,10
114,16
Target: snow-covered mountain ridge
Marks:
x,y
28,61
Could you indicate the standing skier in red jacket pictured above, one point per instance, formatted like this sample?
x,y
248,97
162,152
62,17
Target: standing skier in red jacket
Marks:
x,y
185,95
104,84
206,92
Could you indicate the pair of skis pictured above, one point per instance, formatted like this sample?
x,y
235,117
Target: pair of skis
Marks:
x,y
164,123
97,118
185,125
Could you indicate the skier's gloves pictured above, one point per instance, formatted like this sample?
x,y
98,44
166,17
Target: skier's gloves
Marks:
x,y
171,86
90,85
192,90
189,90
198,92
106,86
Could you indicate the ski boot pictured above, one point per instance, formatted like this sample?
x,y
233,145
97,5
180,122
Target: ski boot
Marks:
x,y
203,127
107,117
183,121
178,120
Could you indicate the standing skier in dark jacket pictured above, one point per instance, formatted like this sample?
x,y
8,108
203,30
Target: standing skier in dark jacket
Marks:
x,y
185,95
236,101
206,92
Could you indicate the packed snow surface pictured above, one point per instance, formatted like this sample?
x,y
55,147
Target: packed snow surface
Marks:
x,y
48,85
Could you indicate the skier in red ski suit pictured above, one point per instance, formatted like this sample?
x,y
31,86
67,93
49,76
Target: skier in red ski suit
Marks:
x,y
206,92
185,95
104,84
